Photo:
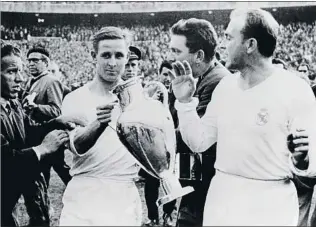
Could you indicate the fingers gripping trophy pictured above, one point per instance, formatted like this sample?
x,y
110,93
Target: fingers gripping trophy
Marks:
x,y
146,129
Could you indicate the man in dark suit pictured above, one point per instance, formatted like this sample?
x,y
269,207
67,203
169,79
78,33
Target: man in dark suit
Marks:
x,y
23,143
195,41
42,100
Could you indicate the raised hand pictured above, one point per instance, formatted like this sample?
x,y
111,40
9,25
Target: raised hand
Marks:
x,y
183,83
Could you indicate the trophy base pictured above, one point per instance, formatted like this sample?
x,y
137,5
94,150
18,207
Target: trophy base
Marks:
x,y
168,198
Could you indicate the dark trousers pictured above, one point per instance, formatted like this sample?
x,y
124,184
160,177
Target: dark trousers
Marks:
x,y
313,217
151,189
36,196
192,205
37,202
305,190
305,201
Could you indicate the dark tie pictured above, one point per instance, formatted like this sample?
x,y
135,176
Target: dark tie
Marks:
x,y
33,80
11,106
8,107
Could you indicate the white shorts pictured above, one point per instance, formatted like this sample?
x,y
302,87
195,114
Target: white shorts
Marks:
x,y
238,201
99,202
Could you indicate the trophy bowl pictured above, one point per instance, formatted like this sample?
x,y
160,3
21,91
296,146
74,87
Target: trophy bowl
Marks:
x,y
146,129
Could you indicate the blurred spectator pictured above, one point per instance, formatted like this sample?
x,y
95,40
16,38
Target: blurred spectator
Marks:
x,y
304,69
303,72
279,62
71,50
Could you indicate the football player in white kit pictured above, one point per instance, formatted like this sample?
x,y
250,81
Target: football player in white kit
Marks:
x,y
102,191
250,117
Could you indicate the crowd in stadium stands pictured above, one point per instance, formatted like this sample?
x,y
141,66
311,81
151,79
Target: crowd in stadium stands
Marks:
x,y
71,51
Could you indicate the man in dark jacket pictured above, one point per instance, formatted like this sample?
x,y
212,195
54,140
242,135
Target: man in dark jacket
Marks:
x,y
42,100
195,41
22,143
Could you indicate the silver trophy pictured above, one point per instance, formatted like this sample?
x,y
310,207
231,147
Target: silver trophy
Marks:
x,y
146,129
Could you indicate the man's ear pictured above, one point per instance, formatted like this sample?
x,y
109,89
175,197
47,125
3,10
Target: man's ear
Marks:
x,y
93,54
200,56
251,45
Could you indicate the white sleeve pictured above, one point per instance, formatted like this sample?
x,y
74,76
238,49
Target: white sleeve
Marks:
x,y
68,106
304,116
198,133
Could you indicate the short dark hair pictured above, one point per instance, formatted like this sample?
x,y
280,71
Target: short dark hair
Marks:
x,y
312,76
165,64
260,25
38,49
109,32
9,49
200,35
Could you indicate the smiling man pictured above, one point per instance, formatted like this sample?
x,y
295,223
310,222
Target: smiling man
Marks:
x,y
102,191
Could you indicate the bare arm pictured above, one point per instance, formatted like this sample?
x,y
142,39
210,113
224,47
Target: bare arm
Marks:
x,y
85,138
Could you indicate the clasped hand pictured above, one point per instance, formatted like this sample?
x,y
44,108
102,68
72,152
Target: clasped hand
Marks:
x,y
298,144
104,113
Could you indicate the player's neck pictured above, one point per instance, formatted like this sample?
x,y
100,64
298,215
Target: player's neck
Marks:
x,y
101,87
255,73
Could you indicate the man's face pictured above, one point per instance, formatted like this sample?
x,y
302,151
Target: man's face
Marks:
x,y
233,45
131,69
303,69
36,63
180,52
11,76
165,78
111,58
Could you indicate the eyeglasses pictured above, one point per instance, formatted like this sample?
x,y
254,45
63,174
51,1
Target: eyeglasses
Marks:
x,y
303,71
35,60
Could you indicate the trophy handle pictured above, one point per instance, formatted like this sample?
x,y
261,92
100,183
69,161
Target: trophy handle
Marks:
x,y
172,189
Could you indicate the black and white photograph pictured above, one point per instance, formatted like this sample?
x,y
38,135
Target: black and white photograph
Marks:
x,y
158,113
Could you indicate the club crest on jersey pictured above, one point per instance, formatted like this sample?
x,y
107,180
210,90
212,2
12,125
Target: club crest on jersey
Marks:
x,y
262,117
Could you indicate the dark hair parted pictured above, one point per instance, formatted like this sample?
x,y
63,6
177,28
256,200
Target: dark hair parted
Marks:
x,y
9,49
200,35
165,64
111,33
260,25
